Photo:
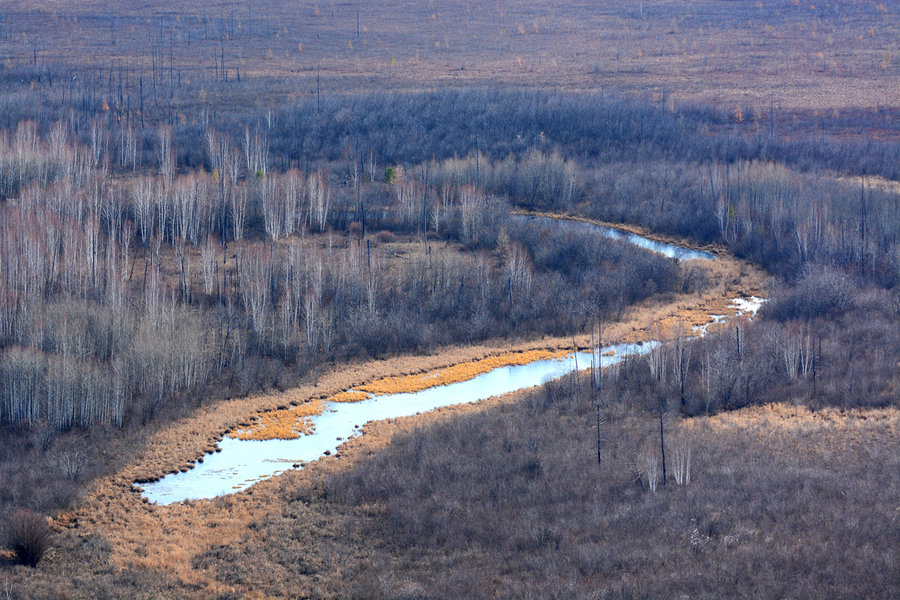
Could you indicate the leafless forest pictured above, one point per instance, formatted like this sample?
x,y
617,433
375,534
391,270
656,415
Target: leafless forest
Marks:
x,y
205,201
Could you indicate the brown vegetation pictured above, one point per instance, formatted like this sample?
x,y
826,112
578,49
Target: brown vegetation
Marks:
x,y
295,422
284,424
27,535
745,58
453,374
178,248
518,484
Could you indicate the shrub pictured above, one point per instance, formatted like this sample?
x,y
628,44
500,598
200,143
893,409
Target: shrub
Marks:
x,y
821,291
28,535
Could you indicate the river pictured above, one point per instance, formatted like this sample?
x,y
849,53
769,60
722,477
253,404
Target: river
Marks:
x,y
241,463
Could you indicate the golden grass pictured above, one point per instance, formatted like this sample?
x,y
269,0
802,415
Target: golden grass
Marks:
x,y
462,372
798,429
681,322
296,421
350,396
284,424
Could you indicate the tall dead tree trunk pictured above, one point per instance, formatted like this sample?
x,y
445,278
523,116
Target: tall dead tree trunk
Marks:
x,y
662,437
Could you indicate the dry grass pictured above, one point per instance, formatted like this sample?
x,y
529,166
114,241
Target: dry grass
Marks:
x,y
843,426
296,421
284,424
456,373
680,320
350,396
743,56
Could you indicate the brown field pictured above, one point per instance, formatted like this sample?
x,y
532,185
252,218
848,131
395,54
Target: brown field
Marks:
x,y
188,549
744,57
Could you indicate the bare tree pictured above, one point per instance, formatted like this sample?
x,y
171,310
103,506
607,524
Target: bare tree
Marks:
x,y
656,360
143,193
318,199
648,464
239,205
681,460
255,284
272,201
208,264
682,359
292,184
661,412
166,154
471,207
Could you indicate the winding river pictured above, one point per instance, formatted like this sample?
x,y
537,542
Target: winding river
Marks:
x,y
241,463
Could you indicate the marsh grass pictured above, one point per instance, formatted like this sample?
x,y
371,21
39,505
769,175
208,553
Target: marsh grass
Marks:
x,y
284,424
456,373
296,421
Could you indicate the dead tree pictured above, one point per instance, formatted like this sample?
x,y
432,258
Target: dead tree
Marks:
x,y
661,409
601,435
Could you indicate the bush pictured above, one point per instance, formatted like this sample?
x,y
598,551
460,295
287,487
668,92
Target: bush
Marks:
x,y
820,292
28,535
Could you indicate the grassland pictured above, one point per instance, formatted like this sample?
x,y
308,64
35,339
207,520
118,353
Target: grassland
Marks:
x,y
746,58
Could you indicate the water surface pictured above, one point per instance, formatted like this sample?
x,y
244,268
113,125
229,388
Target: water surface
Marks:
x,y
666,249
244,462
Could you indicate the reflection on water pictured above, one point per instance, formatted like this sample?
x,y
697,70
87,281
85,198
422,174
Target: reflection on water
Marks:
x,y
243,462
670,250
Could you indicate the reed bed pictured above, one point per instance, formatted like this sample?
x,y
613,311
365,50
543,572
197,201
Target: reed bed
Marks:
x,y
462,372
284,424
296,421
350,396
